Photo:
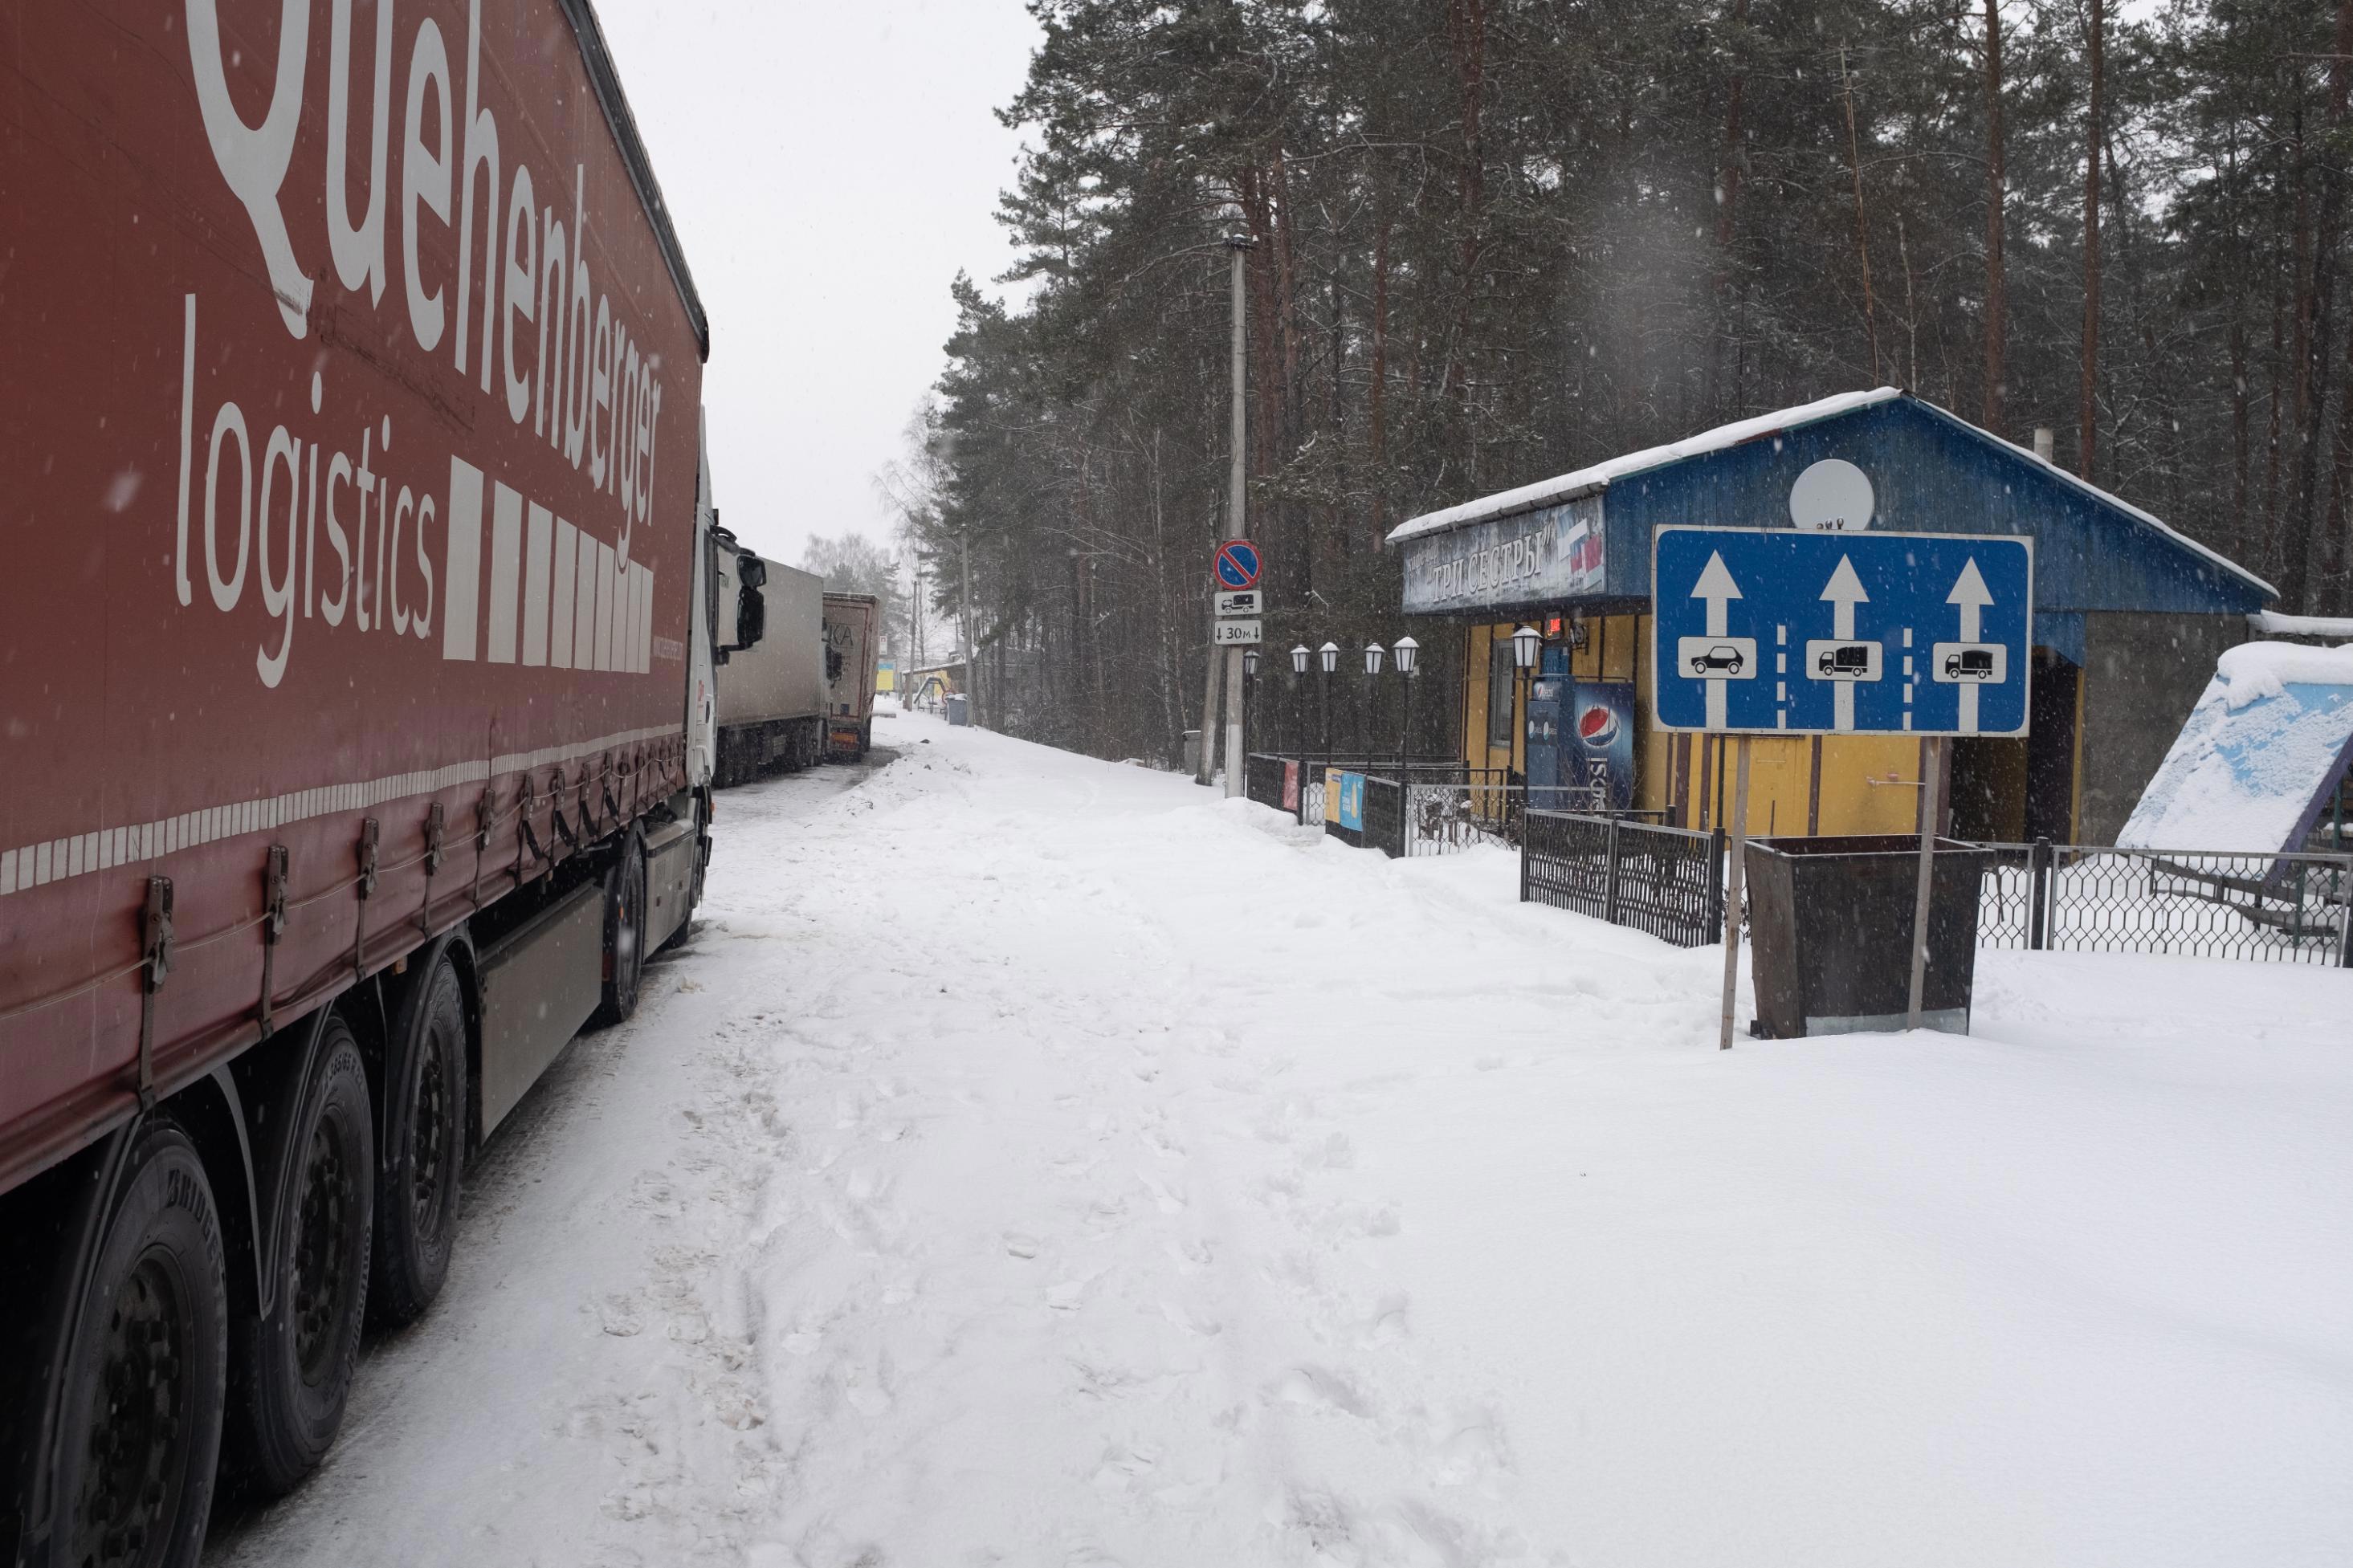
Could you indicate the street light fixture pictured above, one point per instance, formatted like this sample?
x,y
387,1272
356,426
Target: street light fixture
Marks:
x,y
1526,643
1329,657
1374,654
1249,681
1527,646
1298,658
1408,653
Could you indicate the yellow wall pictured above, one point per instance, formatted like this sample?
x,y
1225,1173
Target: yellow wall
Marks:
x,y
1782,769
1477,642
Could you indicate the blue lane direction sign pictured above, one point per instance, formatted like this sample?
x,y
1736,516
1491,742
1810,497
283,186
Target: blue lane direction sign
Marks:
x,y
1777,632
1236,565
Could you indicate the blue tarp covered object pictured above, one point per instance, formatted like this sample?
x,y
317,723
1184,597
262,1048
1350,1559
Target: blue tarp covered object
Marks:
x,y
2263,752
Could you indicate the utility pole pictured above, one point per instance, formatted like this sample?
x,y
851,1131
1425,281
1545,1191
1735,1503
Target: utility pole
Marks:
x,y
1238,481
971,652
1236,770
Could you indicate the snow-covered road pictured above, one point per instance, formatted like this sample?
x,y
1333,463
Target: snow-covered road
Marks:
x,y
1034,1160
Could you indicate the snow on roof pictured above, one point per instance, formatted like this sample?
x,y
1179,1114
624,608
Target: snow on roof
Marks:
x,y
2271,623
1600,475
2256,669
2260,751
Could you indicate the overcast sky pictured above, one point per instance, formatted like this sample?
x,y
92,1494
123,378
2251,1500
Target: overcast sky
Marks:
x,y
829,166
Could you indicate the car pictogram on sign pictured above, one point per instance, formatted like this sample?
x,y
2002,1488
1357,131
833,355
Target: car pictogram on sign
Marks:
x,y
1721,657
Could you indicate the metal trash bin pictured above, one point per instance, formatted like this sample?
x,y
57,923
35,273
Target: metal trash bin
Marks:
x,y
1192,762
1830,924
959,707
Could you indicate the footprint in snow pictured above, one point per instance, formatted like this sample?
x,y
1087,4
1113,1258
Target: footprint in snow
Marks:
x,y
1322,1386
1190,1321
1170,1199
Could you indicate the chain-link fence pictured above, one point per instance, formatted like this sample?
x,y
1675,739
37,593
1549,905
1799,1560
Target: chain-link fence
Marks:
x,y
2290,909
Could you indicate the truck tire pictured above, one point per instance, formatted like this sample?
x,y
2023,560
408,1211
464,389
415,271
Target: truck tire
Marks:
x,y
139,1417
625,933
423,1158
294,1364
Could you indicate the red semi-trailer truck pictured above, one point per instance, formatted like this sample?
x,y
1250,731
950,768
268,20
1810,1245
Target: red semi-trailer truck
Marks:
x,y
358,584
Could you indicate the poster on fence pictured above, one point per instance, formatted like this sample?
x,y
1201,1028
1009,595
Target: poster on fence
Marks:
x,y
1601,739
1290,787
1352,801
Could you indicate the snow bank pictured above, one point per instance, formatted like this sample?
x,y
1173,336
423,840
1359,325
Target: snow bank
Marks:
x,y
2267,741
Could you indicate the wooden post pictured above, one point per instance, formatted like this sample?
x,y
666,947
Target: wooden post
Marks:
x,y
1735,883
1931,806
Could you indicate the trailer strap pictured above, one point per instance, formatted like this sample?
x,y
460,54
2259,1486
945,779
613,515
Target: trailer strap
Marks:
x,y
157,933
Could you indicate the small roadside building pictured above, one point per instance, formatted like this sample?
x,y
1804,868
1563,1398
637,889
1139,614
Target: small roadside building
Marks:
x,y
924,684
2129,619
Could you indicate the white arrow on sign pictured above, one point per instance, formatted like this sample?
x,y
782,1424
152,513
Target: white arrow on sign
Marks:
x,y
1971,594
1716,590
1844,593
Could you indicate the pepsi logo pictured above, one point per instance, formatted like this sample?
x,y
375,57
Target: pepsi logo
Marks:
x,y
1597,725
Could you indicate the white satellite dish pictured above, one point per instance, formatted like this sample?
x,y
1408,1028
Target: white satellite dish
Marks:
x,y
1834,496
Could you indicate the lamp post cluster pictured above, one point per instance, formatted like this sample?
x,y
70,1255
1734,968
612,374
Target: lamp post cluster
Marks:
x,y
1328,657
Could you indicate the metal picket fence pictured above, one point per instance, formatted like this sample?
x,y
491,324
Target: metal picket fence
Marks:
x,y
1668,881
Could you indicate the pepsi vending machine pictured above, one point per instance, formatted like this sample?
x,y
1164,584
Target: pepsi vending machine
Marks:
x,y
1547,700
1599,747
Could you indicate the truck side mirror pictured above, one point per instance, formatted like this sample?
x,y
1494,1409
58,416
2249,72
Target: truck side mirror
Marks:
x,y
751,608
750,571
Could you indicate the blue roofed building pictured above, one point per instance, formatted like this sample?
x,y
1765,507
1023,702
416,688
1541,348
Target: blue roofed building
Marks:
x,y
2129,619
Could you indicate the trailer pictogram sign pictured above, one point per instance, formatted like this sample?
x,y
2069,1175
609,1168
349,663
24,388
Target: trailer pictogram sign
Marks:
x,y
1236,565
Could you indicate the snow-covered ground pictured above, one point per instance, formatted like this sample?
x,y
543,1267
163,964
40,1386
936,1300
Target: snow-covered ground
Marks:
x,y
1034,1160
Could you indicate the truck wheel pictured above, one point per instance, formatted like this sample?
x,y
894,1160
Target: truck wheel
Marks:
x,y
295,1367
423,1152
139,1419
625,932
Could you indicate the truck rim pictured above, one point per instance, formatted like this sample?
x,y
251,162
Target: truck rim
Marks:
x,y
628,951
431,1128
319,1259
128,1494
